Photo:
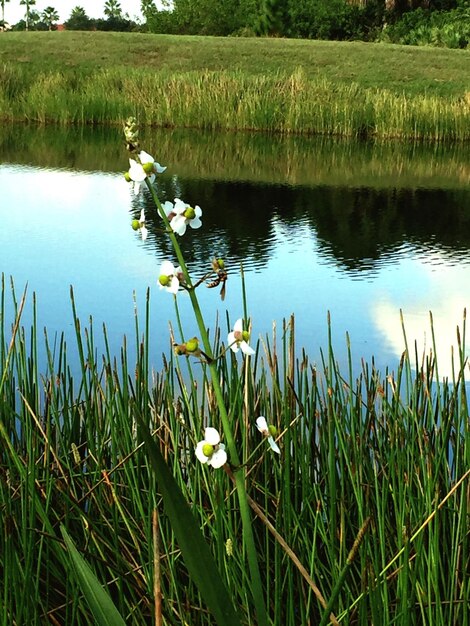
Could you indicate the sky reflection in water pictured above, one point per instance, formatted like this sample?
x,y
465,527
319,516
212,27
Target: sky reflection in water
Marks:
x,y
362,253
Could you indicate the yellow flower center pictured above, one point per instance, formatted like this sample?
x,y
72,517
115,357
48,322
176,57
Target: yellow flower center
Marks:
x,y
207,449
148,168
192,345
164,280
190,213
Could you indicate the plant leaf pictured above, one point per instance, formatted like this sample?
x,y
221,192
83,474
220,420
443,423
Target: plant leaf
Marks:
x,y
101,605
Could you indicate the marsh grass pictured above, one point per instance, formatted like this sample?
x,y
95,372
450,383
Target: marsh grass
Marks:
x,y
327,88
385,456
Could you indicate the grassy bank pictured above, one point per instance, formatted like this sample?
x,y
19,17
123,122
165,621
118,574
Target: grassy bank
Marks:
x,y
388,450
288,86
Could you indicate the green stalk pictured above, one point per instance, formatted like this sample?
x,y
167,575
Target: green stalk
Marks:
x,y
257,588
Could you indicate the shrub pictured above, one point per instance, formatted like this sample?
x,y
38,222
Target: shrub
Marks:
x,y
449,29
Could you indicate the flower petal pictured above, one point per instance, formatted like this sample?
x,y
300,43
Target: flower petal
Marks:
x,y
168,207
195,223
180,206
262,424
178,225
232,342
219,458
174,286
136,171
273,445
238,326
199,453
145,157
167,269
159,168
211,435
144,232
246,349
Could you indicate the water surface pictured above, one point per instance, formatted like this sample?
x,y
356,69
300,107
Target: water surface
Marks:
x,y
357,230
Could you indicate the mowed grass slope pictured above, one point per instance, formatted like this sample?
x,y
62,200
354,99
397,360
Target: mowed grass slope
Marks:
x,y
286,85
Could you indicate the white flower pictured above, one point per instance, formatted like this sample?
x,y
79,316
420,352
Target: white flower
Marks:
x,y
210,450
267,431
140,225
147,168
168,277
238,339
148,161
137,175
181,214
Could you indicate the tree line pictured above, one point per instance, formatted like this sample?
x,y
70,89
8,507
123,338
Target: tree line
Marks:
x,y
428,22
367,20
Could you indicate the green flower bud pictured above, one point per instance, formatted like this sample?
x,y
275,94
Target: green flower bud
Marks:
x,y
190,213
192,345
207,449
148,167
246,335
127,176
135,224
272,430
164,280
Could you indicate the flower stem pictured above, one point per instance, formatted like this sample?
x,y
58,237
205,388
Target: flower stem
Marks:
x,y
257,587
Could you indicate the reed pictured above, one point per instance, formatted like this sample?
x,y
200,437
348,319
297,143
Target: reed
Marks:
x,y
382,458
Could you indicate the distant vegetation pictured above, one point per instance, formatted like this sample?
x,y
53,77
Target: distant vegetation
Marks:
x,y
433,22
349,89
444,23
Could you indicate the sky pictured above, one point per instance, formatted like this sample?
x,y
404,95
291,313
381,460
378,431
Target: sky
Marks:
x,y
14,12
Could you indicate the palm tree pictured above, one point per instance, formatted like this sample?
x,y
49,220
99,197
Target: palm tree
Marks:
x,y
27,4
148,8
3,8
34,18
112,8
50,15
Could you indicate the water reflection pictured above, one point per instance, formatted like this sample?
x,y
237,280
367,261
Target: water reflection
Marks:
x,y
359,230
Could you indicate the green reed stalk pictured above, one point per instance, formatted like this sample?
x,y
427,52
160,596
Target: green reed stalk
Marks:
x,y
257,587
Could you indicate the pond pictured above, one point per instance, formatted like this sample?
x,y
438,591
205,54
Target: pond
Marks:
x,y
361,231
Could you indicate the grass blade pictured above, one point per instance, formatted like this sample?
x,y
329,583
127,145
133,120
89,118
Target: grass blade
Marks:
x,y
101,605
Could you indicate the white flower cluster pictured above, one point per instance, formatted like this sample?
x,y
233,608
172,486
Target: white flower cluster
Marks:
x,y
211,451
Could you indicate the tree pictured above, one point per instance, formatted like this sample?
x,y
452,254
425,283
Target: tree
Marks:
x,y
79,20
112,9
27,15
214,17
50,16
34,19
3,9
148,8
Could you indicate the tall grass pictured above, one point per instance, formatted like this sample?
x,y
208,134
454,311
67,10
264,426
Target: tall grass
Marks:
x,y
382,456
227,100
